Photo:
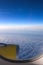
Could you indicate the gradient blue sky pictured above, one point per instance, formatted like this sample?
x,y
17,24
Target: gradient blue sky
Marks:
x,y
21,12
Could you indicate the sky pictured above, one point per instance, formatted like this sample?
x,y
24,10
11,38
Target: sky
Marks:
x,y
21,13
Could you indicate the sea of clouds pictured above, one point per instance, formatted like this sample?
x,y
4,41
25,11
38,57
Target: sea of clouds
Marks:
x,y
30,45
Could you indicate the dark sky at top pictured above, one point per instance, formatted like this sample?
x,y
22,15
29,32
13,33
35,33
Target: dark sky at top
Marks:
x,y
21,11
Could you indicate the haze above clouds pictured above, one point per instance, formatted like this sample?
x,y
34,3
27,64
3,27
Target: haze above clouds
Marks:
x,y
21,27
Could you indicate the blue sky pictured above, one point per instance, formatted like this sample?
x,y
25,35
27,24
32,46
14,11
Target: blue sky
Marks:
x,y
21,12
